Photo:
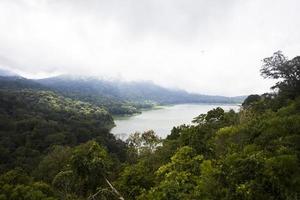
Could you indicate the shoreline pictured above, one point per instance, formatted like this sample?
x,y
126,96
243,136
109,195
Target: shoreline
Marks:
x,y
161,106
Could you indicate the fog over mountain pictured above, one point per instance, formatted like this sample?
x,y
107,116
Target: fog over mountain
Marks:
x,y
116,96
211,47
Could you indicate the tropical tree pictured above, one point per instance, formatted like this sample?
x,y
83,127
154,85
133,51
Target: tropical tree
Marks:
x,y
287,71
145,142
178,178
88,176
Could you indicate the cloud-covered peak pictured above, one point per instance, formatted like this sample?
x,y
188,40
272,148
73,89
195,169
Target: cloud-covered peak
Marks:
x,y
206,46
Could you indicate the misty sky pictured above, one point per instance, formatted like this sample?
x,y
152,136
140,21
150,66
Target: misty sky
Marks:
x,y
203,46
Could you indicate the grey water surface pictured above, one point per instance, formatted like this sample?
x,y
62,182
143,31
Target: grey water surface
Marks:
x,y
163,119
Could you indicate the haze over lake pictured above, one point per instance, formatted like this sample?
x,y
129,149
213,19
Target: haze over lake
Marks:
x,y
162,120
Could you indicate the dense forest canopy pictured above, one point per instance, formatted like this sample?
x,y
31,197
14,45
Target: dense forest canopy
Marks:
x,y
53,147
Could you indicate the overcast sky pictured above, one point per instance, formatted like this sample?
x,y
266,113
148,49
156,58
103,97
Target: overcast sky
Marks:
x,y
203,46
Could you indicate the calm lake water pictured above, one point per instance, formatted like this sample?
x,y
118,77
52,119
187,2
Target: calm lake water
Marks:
x,y
162,120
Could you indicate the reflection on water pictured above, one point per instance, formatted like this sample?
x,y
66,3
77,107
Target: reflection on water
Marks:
x,y
164,119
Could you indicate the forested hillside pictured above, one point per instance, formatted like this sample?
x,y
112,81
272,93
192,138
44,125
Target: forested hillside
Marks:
x,y
86,94
119,98
18,83
52,147
34,122
122,97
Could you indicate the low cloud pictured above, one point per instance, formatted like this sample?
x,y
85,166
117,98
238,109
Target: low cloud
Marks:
x,y
204,46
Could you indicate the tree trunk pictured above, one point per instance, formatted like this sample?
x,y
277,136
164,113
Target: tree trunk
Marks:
x,y
114,189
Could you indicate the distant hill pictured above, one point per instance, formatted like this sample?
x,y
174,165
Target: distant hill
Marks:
x,y
118,97
98,92
141,91
13,81
136,92
17,83
6,73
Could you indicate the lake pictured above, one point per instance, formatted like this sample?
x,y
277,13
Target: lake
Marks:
x,y
163,119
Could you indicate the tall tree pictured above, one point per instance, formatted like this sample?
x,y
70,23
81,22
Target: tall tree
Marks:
x,y
287,71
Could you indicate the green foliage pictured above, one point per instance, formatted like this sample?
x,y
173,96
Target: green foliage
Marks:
x,y
251,99
66,152
32,121
39,132
54,162
178,178
144,143
253,154
212,116
135,179
91,164
15,185
288,71
87,173
253,158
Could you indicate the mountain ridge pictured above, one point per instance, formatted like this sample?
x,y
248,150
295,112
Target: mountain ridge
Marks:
x,y
141,90
117,96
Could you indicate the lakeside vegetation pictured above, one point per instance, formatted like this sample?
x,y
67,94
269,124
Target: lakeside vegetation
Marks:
x,y
53,147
